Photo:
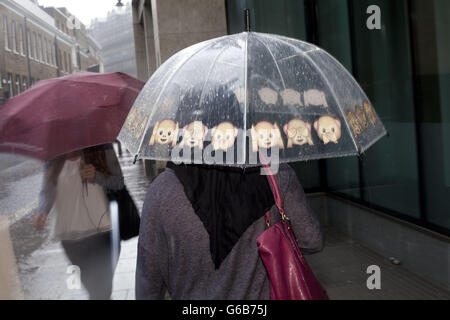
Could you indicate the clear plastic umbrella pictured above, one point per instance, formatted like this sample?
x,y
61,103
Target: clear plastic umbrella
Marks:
x,y
226,100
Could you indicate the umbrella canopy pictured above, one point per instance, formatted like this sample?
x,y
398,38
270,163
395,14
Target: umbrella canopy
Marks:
x,y
60,115
229,98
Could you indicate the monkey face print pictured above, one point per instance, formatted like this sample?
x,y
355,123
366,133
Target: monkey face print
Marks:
x,y
136,122
194,134
369,112
266,135
361,118
328,129
361,115
164,132
223,136
354,123
298,132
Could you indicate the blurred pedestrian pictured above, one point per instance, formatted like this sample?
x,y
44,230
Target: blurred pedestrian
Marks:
x,y
75,187
199,228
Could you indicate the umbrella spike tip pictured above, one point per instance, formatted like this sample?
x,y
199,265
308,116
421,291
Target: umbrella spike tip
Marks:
x,y
247,19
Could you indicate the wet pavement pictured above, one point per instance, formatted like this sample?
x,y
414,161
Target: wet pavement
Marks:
x,y
342,269
20,178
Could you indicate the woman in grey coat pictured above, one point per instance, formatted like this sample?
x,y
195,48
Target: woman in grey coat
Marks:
x,y
199,227
74,188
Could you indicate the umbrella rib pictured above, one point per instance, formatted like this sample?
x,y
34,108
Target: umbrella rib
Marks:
x,y
331,89
289,57
274,61
381,135
245,100
209,74
174,72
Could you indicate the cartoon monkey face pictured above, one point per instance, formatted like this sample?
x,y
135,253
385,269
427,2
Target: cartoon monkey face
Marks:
x,y
223,136
362,117
194,134
354,123
369,112
328,129
164,132
298,132
266,135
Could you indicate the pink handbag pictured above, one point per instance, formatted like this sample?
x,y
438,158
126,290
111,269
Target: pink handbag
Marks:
x,y
290,276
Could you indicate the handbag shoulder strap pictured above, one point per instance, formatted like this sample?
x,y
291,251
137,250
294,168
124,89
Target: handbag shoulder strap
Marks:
x,y
276,194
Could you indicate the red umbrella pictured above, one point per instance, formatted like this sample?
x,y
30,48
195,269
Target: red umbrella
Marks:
x,y
65,114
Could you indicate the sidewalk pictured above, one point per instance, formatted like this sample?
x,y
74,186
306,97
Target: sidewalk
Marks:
x,y
341,267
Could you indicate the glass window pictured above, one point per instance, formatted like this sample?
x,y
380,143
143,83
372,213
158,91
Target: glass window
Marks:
x,y
60,62
35,49
45,51
52,51
29,44
333,35
5,32
431,49
24,83
10,84
41,49
389,169
21,45
18,89
280,17
49,47
13,36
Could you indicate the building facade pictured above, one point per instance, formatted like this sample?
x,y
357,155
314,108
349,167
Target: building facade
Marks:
x,y
163,27
39,43
115,36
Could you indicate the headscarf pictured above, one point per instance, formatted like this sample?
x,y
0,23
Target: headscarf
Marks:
x,y
226,199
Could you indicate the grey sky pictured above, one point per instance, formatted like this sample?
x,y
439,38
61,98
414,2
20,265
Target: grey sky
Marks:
x,y
84,10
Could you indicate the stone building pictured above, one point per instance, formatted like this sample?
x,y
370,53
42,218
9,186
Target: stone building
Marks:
x,y
115,35
163,27
39,43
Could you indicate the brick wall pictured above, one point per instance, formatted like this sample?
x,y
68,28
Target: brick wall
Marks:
x,y
48,55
